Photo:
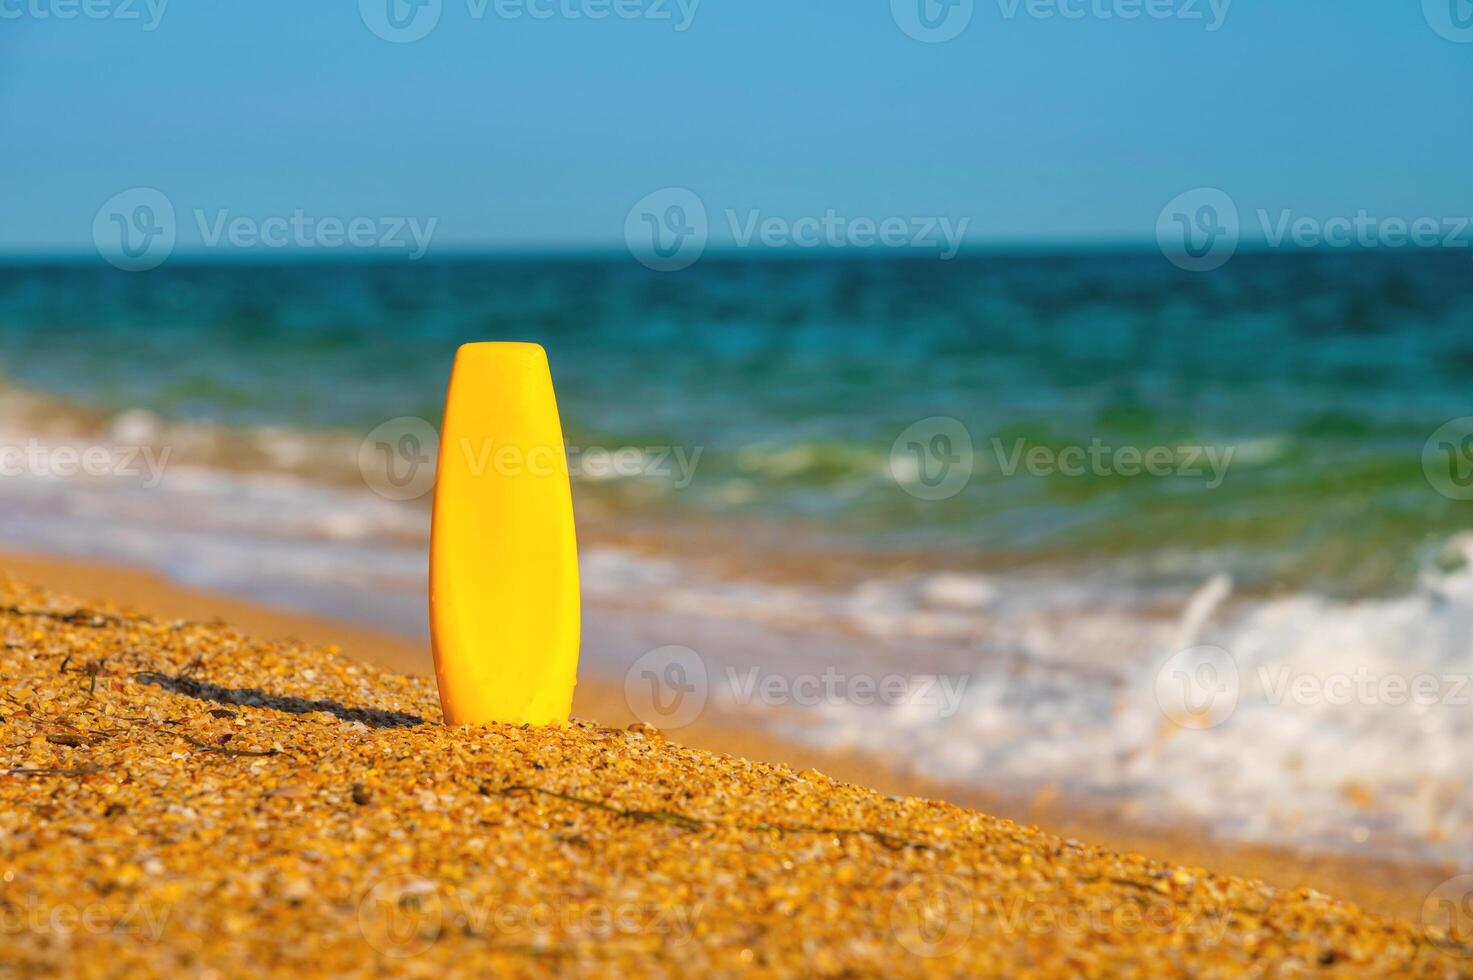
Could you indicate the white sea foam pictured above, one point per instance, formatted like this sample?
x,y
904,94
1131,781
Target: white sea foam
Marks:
x,y
1350,759
278,538
1061,670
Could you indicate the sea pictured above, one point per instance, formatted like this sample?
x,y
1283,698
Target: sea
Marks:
x,y
1199,545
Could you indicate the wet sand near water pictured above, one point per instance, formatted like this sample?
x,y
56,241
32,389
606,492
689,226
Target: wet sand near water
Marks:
x,y
1388,887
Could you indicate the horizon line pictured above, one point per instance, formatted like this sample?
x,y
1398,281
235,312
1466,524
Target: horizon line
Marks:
x,y
723,252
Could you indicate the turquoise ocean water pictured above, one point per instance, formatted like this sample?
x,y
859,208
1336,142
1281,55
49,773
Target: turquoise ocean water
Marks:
x,y
806,527
1326,372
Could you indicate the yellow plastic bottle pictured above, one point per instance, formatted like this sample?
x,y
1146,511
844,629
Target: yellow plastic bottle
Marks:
x,y
504,616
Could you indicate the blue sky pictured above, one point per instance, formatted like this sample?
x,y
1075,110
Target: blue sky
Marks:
x,y
543,132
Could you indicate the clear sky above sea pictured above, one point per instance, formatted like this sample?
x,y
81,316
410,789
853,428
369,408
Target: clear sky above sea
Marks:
x,y
542,132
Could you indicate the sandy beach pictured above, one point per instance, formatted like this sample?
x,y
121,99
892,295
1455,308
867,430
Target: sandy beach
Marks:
x,y
245,789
